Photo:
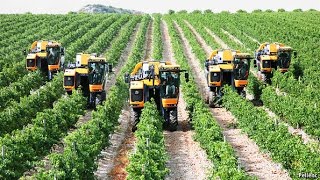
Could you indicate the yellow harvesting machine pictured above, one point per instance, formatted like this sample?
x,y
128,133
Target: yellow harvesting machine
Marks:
x,y
90,74
45,55
159,80
226,67
271,56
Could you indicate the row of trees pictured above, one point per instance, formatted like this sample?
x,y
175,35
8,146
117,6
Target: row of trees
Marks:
x,y
239,11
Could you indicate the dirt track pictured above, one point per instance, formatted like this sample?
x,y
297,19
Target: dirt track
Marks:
x,y
187,159
116,156
113,159
254,162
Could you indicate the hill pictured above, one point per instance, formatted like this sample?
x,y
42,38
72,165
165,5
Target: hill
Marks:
x,y
99,8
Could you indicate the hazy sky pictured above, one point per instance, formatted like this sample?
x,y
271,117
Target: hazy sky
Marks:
x,y
151,6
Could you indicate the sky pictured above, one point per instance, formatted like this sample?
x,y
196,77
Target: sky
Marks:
x,y
153,6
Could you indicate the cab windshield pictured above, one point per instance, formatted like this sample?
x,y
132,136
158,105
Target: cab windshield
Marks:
x,y
31,62
169,84
284,58
96,72
53,54
241,69
68,80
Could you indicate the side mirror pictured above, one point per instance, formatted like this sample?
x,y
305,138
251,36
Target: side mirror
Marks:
x,y
62,51
24,52
295,54
186,76
126,78
110,68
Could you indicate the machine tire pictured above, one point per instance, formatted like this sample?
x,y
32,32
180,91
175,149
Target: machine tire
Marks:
x,y
50,74
102,97
173,116
135,117
211,99
242,93
92,100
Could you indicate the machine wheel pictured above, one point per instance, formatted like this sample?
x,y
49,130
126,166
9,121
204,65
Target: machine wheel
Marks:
x,y
266,77
211,99
242,93
173,115
135,115
69,92
102,97
50,75
92,100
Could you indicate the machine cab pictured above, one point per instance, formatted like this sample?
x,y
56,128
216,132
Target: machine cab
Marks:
x,y
170,81
98,67
284,58
241,69
54,55
169,85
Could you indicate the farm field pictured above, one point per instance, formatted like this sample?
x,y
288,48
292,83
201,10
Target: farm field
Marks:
x,y
273,132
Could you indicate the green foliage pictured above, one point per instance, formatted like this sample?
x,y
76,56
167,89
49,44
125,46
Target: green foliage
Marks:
x,y
273,137
20,88
281,10
255,86
32,142
149,159
157,39
19,114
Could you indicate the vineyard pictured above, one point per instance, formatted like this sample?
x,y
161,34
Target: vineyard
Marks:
x,y
271,133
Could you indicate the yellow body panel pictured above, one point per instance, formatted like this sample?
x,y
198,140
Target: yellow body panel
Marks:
x,y
31,56
151,83
240,83
263,45
82,59
214,53
136,85
82,70
273,48
69,72
227,55
95,87
169,102
268,58
214,68
226,66
42,55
